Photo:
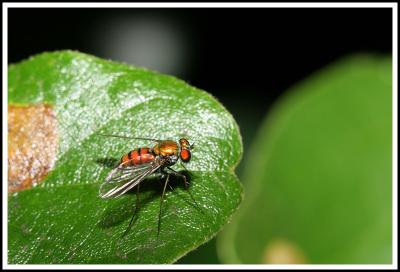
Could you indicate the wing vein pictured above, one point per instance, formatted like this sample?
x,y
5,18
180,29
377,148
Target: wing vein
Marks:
x,y
123,178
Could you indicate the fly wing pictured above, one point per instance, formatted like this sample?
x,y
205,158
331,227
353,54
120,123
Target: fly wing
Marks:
x,y
123,178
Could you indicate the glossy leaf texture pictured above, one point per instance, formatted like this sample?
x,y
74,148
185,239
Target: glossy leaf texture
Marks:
x,y
63,220
318,177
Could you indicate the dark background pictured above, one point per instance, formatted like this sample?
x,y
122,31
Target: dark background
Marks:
x,y
246,58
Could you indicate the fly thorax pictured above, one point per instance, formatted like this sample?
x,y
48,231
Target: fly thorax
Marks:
x,y
168,148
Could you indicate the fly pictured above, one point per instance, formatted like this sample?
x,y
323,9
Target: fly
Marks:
x,y
142,162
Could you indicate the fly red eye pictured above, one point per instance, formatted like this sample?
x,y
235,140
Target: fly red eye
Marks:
x,y
185,155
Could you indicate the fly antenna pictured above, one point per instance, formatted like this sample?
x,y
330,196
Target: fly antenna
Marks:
x,y
129,137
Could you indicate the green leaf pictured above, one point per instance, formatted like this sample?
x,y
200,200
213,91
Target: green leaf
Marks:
x,y
318,177
63,220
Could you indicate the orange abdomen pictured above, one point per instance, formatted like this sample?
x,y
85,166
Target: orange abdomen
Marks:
x,y
138,156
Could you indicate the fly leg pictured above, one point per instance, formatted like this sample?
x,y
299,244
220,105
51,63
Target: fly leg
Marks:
x,y
161,203
137,207
180,175
186,186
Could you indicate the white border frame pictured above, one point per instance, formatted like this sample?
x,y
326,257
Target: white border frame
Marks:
x,y
393,5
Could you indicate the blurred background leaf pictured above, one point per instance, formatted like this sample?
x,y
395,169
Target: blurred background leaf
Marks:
x,y
63,220
318,176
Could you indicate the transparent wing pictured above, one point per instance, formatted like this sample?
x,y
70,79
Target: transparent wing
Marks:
x,y
123,178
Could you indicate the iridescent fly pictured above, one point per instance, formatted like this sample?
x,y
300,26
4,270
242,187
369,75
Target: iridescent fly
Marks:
x,y
142,162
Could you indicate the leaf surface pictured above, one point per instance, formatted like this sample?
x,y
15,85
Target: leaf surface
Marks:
x,y
63,220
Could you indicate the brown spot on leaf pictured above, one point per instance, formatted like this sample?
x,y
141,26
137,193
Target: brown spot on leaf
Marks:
x,y
282,251
32,145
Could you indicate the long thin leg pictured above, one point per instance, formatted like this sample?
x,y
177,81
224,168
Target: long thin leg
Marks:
x,y
161,203
180,175
186,186
137,207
